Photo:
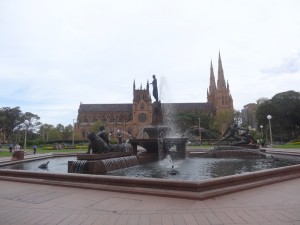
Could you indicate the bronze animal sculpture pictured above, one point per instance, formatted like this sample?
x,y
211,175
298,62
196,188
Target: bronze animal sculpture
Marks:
x,y
44,165
96,144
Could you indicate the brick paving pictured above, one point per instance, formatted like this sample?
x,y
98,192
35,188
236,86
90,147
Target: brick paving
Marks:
x,y
28,204
25,203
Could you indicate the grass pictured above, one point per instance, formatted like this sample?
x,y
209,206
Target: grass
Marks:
x,y
6,153
288,146
60,151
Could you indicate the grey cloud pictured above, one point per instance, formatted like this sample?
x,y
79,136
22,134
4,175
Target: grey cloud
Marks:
x,y
288,65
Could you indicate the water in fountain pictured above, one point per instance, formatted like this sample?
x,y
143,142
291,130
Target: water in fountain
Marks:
x,y
120,162
167,162
188,133
78,166
129,135
141,133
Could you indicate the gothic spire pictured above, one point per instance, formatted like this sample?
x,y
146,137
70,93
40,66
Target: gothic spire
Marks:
x,y
221,80
212,84
134,84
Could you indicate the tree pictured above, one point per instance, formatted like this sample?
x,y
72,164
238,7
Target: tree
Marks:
x,y
44,131
96,126
223,119
284,108
237,117
67,132
9,119
12,122
185,121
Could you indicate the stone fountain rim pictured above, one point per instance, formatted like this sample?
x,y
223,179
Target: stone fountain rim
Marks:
x,y
200,190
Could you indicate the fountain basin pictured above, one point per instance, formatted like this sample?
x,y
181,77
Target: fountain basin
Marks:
x,y
102,163
159,187
161,146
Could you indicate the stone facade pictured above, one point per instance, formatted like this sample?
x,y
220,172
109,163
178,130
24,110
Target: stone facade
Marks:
x,y
219,95
249,115
131,118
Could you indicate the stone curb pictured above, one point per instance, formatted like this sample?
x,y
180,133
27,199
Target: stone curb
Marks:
x,y
159,187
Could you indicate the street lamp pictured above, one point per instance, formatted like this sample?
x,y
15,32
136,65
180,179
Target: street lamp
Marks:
x,y
73,132
199,130
269,117
261,130
26,122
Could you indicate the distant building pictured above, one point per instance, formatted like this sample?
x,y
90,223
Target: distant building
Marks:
x,y
219,95
249,115
131,118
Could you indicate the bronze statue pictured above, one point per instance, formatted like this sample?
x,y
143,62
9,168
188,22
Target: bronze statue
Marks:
x,y
232,133
96,144
99,143
155,90
102,134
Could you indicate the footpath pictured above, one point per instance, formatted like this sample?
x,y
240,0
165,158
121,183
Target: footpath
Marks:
x,y
27,204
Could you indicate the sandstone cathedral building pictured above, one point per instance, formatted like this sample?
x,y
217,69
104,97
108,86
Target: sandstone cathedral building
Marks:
x,y
131,118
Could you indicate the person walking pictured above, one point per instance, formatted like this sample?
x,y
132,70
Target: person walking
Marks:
x,y
10,147
34,149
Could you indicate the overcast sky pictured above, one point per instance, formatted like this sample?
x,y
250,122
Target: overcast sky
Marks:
x,y
55,54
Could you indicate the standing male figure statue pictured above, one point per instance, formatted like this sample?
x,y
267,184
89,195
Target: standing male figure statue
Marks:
x,y
155,91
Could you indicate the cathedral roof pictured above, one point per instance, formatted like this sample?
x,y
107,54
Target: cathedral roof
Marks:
x,y
89,108
179,107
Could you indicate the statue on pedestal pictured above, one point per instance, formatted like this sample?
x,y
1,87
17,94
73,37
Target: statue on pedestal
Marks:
x,y
157,116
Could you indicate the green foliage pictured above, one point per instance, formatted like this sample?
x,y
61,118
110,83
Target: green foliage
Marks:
x,y
284,109
12,123
95,127
223,119
237,117
61,133
186,120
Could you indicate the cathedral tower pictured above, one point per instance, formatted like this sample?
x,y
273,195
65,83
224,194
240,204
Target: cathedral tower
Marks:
x,y
142,108
219,95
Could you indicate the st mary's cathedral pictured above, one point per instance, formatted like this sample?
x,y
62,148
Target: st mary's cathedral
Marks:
x,y
131,118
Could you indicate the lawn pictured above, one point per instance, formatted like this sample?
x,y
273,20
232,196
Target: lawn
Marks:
x,y
288,146
6,153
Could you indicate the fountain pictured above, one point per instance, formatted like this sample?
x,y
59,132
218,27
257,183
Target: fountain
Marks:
x,y
237,145
106,157
159,141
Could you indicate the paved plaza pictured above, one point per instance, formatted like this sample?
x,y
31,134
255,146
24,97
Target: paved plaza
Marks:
x,y
25,203
28,203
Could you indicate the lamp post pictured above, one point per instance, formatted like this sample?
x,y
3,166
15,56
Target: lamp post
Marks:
x,y
269,117
26,122
199,130
73,132
261,130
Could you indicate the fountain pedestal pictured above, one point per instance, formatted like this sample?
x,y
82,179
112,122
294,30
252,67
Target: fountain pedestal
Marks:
x,y
161,146
18,155
102,163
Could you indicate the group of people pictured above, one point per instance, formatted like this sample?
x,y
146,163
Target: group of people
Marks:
x,y
16,147
261,142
